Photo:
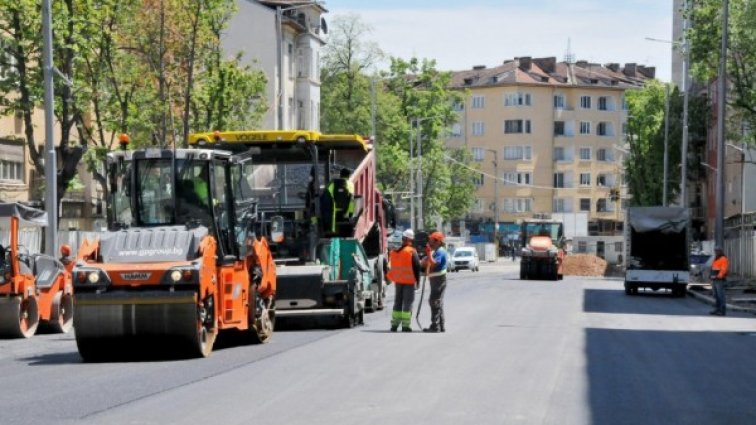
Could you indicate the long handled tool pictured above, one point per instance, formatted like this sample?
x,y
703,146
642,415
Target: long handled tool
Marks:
x,y
422,292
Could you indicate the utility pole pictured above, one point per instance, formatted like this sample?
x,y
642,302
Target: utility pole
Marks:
x,y
51,178
496,197
373,115
666,145
721,111
420,220
684,148
412,178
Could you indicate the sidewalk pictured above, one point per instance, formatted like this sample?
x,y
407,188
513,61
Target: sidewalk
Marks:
x,y
741,294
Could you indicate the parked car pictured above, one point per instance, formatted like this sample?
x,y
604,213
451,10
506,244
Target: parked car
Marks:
x,y
464,257
700,265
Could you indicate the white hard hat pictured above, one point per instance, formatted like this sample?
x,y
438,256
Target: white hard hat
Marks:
x,y
408,234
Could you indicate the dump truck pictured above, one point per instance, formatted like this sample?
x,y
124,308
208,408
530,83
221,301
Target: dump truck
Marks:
x,y
35,289
330,261
180,261
542,242
657,249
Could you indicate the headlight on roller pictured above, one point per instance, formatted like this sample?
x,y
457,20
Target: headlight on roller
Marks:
x,y
176,275
93,277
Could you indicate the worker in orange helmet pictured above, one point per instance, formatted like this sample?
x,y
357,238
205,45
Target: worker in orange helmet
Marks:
x,y
436,263
404,272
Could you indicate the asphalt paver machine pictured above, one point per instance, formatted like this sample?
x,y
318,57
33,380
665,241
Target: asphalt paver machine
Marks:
x,y
328,264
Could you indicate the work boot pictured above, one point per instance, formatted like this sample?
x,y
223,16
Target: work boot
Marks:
x,y
432,329
442,328
394,328
406,329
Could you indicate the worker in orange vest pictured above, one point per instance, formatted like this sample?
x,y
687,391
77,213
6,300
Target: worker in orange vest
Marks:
x,y
404,271
719,270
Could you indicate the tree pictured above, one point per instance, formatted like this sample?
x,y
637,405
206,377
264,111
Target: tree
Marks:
x,y
705,38
426,100
346,94
644,166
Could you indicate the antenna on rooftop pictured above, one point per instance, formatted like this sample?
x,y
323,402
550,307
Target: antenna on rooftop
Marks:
x,y
569,57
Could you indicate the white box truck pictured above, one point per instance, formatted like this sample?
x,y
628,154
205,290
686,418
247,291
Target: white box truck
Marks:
x,y
657,249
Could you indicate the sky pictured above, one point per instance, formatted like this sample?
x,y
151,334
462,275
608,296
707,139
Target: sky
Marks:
x,y
462,33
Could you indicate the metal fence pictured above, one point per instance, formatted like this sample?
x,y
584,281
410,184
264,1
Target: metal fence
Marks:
x,y
741,251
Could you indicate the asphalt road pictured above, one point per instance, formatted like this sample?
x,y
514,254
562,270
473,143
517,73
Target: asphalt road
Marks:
x,y
577,351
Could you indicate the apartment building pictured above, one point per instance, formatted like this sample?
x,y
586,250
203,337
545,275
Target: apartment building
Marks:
x,y
282,38
551,134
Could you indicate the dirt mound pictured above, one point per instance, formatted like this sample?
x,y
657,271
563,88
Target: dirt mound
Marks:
x,y
584,265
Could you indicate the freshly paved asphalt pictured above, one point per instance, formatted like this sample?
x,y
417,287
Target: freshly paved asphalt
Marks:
x,y
577,351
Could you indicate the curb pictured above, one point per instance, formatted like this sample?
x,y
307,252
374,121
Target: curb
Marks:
x,y
710,300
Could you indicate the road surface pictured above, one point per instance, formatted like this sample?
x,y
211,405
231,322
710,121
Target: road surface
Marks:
x,y
578,351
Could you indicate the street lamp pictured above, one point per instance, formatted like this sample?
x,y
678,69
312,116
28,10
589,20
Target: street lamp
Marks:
x,y
496,197
721,111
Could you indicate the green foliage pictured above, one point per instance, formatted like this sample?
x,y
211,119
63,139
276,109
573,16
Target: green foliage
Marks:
x,y
411,91
644,167
705,38
645,131
136,66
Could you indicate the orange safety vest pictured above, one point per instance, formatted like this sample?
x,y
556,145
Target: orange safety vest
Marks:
x,y
400,266
719,266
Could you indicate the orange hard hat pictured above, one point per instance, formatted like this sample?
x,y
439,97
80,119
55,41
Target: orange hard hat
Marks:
x,y
65,250
436,236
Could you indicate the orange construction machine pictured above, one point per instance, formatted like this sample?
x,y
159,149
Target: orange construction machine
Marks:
x,y
34,288
542,252
180,261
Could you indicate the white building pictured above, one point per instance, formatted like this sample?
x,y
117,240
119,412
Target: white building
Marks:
x,y
282,38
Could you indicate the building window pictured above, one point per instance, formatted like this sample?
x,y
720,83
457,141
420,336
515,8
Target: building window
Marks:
x,y
458,106
478,180
518,153
12,171
478,154
559,180
585,179
456,130
518,205
558,101
605,103
585,204
603,155
478,206
562,153
618,247
582,246
605,129
558,128
601,205
562,205
478,128
290,49
478,102
517,99
585,154
516,126
585,102
518,178
585,127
